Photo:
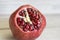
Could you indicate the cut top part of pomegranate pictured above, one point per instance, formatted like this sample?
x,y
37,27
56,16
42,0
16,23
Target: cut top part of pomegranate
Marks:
x,y
28,19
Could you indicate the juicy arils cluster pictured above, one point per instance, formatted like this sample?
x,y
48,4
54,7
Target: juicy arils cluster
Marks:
x,y
29,19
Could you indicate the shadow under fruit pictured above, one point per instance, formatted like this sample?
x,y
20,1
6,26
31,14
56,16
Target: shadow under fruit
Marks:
x,y
27,23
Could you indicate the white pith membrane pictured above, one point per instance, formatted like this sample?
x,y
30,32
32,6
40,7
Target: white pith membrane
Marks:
x,y
27,20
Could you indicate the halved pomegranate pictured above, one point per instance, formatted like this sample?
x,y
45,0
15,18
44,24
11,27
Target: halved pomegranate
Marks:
x,y
27,23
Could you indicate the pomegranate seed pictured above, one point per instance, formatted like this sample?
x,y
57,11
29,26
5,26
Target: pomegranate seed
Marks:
x,y
24,29
22,13
31,18
34,13
30,10
18,19
22,23
36,27
39,24
31,28
27,26
34,23
19,23
37,17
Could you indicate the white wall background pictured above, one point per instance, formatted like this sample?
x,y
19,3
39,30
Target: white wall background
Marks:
x,y
45,6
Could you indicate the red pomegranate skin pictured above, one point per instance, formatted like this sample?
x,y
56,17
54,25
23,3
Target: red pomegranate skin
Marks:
x,y
20,34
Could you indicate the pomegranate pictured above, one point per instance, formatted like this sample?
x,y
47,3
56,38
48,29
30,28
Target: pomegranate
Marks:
x,y
27,23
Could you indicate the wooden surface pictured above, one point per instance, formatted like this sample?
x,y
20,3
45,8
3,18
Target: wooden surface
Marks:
x,y
6,35
51,32
4,23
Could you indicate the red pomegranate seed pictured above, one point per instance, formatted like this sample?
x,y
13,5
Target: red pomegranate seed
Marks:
x,y
31,28
24,29
22,13
22,23
19,23
18,19
34,23
36,27
37,17
27,26
39,25
30,10
34,13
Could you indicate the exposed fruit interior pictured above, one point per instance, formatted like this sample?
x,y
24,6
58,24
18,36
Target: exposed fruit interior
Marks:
x,y
29,19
